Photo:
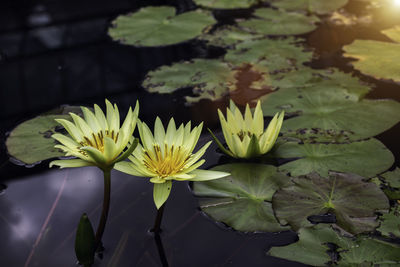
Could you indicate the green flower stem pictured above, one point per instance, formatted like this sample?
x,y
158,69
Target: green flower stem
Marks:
x,y
157,223
106,207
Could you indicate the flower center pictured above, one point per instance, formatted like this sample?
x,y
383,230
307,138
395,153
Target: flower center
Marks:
x,y
172,161
97,140
242,134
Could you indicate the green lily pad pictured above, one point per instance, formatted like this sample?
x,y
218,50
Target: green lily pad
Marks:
x,y
227,36
321,246
392,178
371,252
226,4
156,26
353,201
30,142
312,247
390,223
313,6
275,54
241,200
329,112
393,33
279,22
390,183
373,57
366,158
209,78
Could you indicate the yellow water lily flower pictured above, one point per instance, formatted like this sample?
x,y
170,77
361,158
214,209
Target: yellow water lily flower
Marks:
x,y
168,156
246,137
97,140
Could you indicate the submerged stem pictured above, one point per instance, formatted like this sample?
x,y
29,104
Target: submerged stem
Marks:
x,y
106,207
157,223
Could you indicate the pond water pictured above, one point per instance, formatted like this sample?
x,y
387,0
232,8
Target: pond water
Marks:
x,y
54,53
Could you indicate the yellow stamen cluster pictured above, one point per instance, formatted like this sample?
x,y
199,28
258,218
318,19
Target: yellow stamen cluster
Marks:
x,y
97,140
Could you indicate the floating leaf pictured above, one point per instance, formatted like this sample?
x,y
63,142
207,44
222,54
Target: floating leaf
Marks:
x,y
393,33
226,4
329,112
279,22
31,142
390,183
365,158
210,79
276,54
155,26
228,36
392,178
353,201
241,199
373,57
390,223
313,6
312,247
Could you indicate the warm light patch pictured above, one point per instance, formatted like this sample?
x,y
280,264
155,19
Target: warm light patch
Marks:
x,y
396,3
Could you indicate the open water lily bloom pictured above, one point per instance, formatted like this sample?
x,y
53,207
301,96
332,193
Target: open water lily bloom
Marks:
x,y
245,136
168,155
96,139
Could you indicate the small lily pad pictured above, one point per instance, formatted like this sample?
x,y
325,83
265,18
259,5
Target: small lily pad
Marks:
x,y
331,110
390,183
30,142
241,200
279,22
390,223
156,26
373,56
227,36
226,4
366,158
353,201
313,6
275,54
392,178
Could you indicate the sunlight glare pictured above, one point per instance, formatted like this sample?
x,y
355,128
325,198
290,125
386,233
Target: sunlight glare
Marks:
x,y
396,3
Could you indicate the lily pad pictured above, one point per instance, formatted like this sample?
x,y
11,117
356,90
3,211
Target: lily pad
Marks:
x,y
393,33
313,6
210,79
275,54
279,22
353,201
156,26
390,223
373,57
366,158
227,36
390,183
312,247
331,111
241,200
30,142
392,178
226,4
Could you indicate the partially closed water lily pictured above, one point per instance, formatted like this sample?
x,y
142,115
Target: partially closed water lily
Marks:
x,y
166,156
96,139
245,136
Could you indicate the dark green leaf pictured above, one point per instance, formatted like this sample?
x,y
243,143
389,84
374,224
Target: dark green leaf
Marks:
x,y
85,242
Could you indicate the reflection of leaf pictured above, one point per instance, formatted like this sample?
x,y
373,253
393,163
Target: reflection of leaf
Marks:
x,y
353,201
276,54
278,22
390,223
314,6
226,4
322,246
312,247
365,158
334,110
31,142
240,200
155,26
209,78
373,56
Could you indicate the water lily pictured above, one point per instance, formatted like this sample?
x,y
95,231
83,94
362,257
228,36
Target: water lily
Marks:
x,y
245,136
96,139
166,156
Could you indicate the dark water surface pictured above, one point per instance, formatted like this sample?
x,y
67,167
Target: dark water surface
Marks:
x,y
58,52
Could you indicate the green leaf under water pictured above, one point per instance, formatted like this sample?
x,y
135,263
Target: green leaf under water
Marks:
x,y
241,200
226,4
335,114
353,201
279,22
313,6
156,26
366,158
85,242
30,142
